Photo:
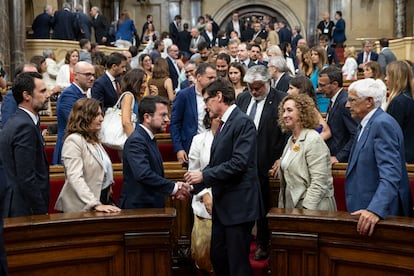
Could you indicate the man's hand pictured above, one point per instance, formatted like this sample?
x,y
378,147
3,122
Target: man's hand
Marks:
x,y
193,177
334,160
183,191
366,222
182,156
208,203
274,171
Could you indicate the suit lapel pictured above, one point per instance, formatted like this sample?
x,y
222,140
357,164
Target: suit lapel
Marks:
x,y
193,103
94,152
268,105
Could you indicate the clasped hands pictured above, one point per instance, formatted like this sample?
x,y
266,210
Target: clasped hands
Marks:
x,y
183,192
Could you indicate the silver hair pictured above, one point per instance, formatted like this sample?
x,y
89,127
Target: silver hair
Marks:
x,y
47,52
257,73
280,63
370,88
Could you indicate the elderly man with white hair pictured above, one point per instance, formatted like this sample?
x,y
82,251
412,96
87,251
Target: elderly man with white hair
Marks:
x,y
281,74
376,177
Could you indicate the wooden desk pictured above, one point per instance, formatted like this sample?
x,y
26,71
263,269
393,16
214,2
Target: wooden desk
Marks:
x,y
133,242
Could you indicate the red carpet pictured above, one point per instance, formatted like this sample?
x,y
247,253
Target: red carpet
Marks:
x,y
260,268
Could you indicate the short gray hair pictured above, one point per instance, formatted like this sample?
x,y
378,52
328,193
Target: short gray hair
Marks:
x,y
47,52
257,73
370,88
280,63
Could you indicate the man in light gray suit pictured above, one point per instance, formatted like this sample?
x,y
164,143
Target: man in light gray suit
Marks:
x,y
386,56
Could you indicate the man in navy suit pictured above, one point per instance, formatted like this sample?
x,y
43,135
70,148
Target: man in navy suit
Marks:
x,y
84,77
330,52
338,118
243,55
106,88
232,175
339,36
43,23
22,149
377,182
280,73
188,112
144,182
64,23
366,54
270,139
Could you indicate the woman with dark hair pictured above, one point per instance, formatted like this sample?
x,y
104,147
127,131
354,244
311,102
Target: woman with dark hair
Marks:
x,y
372,69
145,63
236,76
134,83
319,60
400,102
88,169
65,75
161,79
303,85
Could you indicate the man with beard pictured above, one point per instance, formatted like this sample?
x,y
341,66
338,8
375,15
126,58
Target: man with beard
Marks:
x,y
22,148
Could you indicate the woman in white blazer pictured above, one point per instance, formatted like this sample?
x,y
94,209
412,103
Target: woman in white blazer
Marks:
x,y
88,169
305,168
65,75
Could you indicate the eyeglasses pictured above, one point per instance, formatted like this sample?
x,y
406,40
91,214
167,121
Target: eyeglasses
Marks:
x,y
88,75
208,98
353,100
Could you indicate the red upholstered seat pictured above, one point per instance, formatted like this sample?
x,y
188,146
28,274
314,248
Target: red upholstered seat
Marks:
x,y
49,153
167,152
55,188
339,193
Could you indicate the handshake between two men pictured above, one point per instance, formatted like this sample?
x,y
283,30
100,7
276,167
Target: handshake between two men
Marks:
x,y
185,188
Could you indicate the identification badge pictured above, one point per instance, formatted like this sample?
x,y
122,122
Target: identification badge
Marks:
x,y
326,30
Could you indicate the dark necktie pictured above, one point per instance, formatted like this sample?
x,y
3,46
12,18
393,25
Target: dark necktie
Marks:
x,y
358,133
220,126
253,110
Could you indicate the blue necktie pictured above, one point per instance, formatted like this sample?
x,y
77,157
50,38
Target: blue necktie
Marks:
x,y
253,110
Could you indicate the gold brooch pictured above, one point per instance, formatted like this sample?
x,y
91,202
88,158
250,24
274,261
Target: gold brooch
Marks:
x,y
296,148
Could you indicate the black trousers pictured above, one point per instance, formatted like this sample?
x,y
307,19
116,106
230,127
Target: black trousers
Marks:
x,y
230,248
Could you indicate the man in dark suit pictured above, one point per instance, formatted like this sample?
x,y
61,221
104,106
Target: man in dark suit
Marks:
x,y
234,25
280,76
145,26
22,148
339,36
174,28
64,23
377,182
208,35
84,77
84,23
106,88
285,35
188,112
100,26
366,54
270,139
232,175
338,118
144,182
184,40
171,58
330,52
244,55
255,53
43,23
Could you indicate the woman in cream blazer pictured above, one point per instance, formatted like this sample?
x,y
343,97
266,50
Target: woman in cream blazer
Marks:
x,y
88,169
305,169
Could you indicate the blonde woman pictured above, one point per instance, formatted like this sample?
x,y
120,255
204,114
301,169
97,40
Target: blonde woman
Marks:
x,y
350,68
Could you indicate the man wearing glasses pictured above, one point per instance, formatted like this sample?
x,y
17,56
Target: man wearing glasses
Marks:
x,y
84,77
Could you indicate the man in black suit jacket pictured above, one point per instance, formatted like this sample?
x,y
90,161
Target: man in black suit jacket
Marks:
x,y
232,174
280,73
184,39
172,56
100,26
330,52
366,54
22,148
106,88
342,125
270,139
174,28
42,24
244,55
144,182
